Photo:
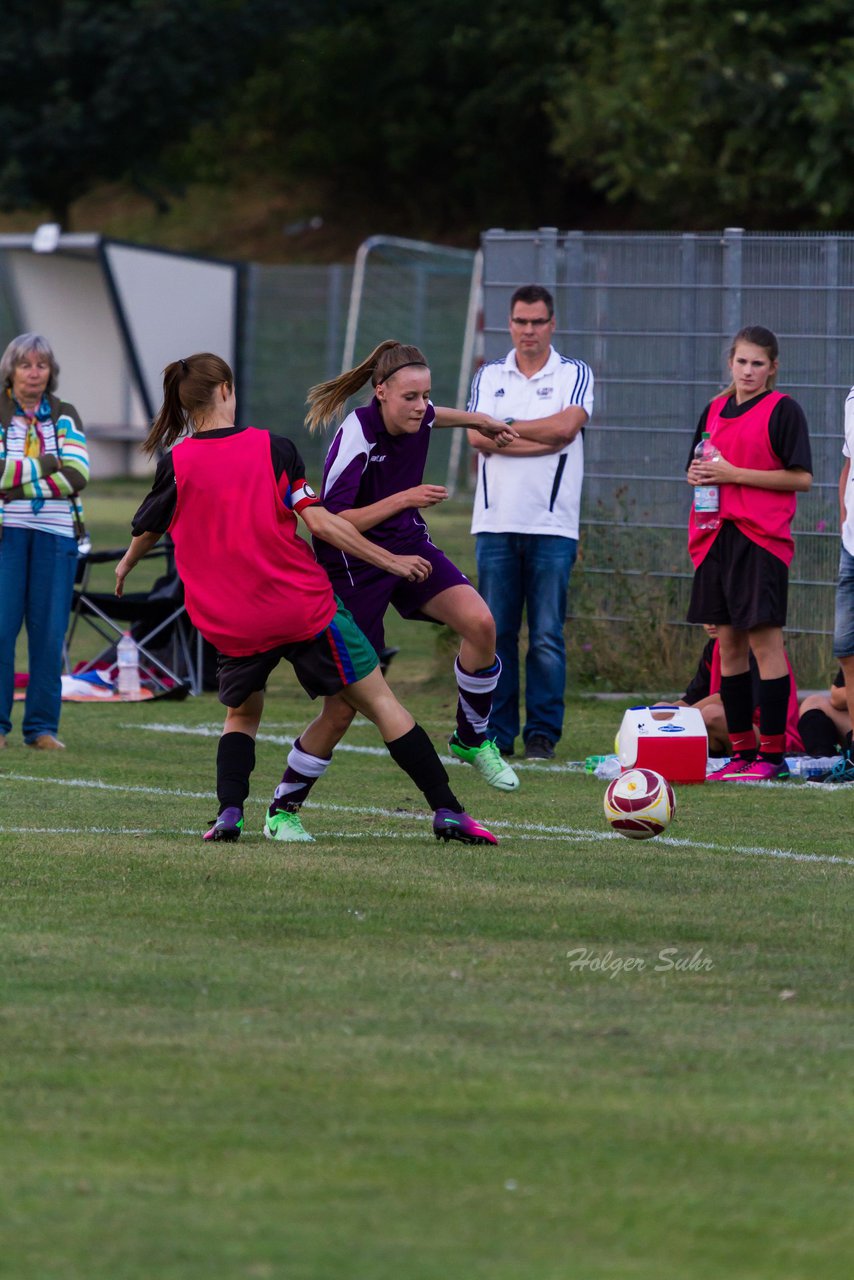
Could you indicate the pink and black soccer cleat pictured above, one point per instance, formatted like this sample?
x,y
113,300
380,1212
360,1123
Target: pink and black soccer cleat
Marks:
x,y
228,826
735,768
758,770
448,825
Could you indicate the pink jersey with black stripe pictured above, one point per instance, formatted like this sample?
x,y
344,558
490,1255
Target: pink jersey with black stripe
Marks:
x,y
763,515
250,581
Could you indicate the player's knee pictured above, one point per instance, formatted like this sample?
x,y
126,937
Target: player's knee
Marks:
x,y
480,630
338,715
714,718
815,702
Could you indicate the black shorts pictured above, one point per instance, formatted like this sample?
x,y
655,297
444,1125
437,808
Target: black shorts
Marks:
x,y
739,584
340,655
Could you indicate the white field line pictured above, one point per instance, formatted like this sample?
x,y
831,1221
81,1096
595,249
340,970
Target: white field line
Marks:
x,y
215,731
99,831
530,830
286,740
195,832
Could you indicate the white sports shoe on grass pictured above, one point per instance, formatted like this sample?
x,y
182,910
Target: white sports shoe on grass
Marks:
x,y
486,759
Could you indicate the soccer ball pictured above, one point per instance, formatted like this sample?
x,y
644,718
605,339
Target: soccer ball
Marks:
x,y
639,804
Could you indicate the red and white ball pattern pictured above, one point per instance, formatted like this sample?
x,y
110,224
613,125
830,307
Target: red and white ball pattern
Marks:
x,y
639,804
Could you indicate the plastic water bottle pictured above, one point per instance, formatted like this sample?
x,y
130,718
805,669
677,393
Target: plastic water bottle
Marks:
x,y
707,497
591,763
810,766
128,659
608,768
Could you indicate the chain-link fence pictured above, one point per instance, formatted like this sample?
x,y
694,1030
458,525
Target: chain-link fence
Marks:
x,y
302,323
653,314
293,337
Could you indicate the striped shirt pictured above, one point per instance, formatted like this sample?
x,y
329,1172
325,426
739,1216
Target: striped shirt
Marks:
x,y
43,487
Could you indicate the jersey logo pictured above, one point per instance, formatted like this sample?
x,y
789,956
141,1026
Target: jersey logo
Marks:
x,y
543,393
381,457
499,392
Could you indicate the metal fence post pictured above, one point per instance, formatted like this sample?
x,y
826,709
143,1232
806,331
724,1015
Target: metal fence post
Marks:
x,y
572,308
247,357
688,320
731,309
333,321
831,346
547,258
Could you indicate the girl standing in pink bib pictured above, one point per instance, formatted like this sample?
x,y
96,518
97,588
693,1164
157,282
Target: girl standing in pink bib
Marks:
x,y
741,568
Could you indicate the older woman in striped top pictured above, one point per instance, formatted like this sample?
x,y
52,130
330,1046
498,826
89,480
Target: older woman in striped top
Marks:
x,y
44,463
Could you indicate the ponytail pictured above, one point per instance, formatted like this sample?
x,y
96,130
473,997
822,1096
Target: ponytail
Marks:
x,y
326,399
189,387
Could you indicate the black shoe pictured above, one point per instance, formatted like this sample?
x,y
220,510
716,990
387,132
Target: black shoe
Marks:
x,y
505,751
538,747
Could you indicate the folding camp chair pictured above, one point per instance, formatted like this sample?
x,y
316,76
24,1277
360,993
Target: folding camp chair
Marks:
x,y
170,647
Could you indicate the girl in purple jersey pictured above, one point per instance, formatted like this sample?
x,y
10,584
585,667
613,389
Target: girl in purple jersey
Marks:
x,y
373,478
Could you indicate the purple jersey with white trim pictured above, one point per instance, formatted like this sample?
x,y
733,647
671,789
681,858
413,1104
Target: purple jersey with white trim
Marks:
x,y
364,465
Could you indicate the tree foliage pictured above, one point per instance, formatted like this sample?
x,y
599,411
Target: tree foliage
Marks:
x,y
436,110
700,113
97,90
442,114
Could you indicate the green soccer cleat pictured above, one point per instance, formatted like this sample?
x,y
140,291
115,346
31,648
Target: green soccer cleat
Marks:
x,y
285,825
486,759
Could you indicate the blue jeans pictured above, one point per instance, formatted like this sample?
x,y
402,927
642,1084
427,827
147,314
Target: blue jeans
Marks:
x,y
527,571
37,573
843,625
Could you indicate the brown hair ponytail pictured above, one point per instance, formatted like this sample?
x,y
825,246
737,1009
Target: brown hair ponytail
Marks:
x,y
326,399
189,387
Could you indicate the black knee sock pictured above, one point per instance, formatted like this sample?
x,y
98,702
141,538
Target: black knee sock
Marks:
x,y
818,733
416,755
773,712
737,699
235,760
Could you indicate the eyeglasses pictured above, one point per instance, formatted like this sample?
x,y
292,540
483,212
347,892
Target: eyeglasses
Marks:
x,y
520,323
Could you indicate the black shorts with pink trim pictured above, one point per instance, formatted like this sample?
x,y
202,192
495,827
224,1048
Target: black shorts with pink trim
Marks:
x,y
739,584
367,592
324,665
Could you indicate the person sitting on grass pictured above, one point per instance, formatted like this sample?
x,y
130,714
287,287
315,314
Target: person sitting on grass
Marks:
x,y
824,724
704,693
230,497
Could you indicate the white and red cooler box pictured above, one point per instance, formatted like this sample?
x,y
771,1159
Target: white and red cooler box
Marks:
x,y
671,740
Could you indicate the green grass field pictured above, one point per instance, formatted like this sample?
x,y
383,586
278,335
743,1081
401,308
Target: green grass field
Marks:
x,y
573,1057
